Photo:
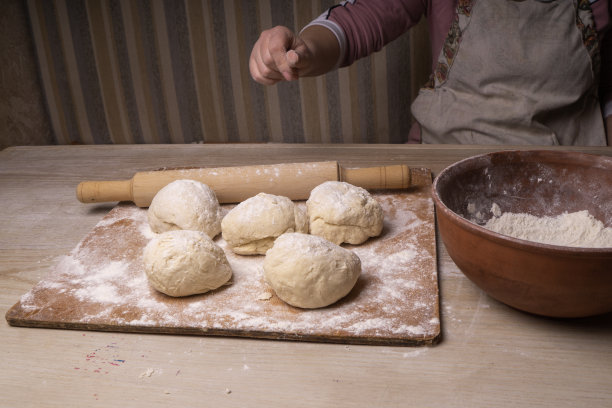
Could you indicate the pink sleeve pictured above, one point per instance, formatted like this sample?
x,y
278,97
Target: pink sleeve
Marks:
x,y
370,25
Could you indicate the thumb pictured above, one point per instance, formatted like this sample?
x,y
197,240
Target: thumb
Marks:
x,y
293,59
299,56
296,59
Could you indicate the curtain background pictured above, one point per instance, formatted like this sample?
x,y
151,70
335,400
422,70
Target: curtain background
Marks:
x,y
155,71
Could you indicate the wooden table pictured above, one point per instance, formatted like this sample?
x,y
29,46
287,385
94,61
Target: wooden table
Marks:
x,y
489,355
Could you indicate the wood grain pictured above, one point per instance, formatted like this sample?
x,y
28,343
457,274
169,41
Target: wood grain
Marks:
x,y
101,285
488,355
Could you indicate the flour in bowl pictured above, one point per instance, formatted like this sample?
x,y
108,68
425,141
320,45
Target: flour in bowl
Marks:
x,y
577,229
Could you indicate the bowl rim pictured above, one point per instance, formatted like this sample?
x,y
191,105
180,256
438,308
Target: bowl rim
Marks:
x,y
507,240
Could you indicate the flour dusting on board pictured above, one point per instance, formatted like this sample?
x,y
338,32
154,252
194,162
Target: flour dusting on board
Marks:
x,y
102,285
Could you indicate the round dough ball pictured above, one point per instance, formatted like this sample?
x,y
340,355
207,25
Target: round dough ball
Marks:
x,y
341,212
184,262
185,205
309,272
252,226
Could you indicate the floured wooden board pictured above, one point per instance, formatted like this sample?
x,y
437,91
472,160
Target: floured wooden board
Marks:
x,y
101,285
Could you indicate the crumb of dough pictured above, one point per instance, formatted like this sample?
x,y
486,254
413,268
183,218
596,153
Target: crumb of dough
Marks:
x,y
495,210
264,296
149,372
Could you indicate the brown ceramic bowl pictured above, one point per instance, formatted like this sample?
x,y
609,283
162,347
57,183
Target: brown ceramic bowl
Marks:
x,y
543,279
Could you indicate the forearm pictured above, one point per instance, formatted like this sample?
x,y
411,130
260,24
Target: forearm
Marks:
x,y
324,48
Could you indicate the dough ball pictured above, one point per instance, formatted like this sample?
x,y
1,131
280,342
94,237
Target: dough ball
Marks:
x,y
185,205
309,272
252,226
184,262
341,212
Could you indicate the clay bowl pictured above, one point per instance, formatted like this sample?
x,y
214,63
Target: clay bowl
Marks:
x,y
543,279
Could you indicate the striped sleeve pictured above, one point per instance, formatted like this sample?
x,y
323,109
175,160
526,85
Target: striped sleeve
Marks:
x,y
364,27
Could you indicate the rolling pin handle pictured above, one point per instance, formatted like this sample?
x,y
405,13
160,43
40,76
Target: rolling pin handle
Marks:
x,y
385,177
104,191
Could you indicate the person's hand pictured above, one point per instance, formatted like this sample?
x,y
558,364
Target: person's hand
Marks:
x,y
279,55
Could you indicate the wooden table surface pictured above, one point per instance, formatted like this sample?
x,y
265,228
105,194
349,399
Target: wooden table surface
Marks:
x,y
490,355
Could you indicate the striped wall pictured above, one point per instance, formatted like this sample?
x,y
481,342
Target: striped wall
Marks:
x,y
120,71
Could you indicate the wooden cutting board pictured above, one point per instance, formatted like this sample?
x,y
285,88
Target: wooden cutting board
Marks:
x,y
101,285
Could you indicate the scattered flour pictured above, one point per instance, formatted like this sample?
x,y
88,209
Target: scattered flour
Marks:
x,y
395,298
577,229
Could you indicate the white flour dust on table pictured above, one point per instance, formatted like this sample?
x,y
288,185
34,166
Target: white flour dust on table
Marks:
x,y
102,285
577,229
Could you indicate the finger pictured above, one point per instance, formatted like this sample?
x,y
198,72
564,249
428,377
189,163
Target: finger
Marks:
x,y
262,73
266,59
267,70
265,76
263,54
258,69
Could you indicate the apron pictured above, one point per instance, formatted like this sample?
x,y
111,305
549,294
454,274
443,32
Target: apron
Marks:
x,y
515,72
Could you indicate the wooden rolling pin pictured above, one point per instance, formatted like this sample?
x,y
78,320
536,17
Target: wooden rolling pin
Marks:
x,y
235,184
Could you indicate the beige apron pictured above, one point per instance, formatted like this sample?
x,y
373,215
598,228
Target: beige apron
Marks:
x,y
515,72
